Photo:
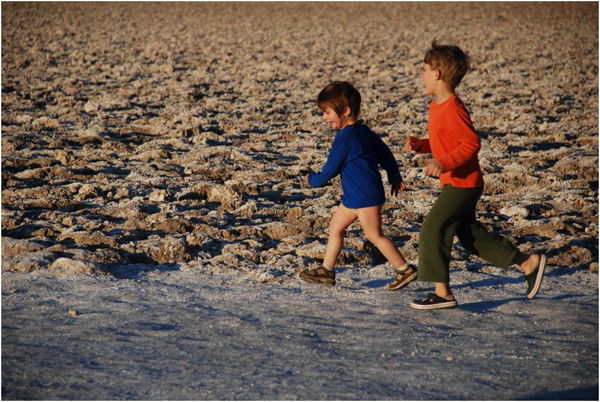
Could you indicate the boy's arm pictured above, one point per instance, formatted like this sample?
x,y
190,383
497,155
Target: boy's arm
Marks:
x,y
333,166
387,161
469,142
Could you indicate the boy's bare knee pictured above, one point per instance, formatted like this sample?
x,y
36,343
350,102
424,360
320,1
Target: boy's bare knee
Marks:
x,y
374,238
336,231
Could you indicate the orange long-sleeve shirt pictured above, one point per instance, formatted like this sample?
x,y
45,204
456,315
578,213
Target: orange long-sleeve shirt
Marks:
x,y
454,143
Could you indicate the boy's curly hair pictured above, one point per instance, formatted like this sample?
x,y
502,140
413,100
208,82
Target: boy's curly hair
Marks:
x,y
452,62
337,96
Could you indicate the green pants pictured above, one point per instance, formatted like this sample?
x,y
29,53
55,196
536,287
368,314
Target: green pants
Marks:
x,y
454,213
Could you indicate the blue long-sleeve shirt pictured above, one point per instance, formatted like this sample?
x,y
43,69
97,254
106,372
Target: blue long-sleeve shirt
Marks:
x,y
356,154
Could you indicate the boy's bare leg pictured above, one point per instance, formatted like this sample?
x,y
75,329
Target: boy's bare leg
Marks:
x,y
443,290
370,220
342,218
527,262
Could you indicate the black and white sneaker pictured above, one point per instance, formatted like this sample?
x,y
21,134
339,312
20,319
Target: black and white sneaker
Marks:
x,y
433,302
534,279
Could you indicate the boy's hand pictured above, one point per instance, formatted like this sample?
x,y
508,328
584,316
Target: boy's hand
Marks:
x,y
434,169
413,144
397,186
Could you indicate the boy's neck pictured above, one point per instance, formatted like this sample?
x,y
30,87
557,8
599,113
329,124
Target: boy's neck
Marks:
x,y
443,93
348,123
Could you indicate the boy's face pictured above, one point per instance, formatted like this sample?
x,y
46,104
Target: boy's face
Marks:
x,y
429,79
335,121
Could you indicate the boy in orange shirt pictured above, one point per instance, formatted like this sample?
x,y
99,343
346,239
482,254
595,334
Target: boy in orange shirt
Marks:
x,y
454,145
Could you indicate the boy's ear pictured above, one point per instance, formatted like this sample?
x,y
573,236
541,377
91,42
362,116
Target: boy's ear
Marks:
x,y
438,74
347,111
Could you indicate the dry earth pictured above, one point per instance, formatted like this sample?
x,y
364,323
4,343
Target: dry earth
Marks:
x,y
170,139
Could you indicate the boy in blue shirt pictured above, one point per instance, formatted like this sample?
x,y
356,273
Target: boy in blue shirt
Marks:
x,y
356,154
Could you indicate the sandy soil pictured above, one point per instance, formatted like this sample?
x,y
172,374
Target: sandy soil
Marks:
x,y
152,157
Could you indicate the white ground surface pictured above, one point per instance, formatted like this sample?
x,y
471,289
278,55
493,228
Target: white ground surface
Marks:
x,y
183,335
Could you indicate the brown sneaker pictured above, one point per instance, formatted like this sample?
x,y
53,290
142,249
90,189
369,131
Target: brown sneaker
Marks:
x,y
318,275
403,278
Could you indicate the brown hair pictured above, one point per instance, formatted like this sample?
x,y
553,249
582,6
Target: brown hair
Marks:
x,y
337,96
452,62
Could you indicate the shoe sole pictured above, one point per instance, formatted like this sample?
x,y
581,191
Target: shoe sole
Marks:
x,y
437,306
538,278
403,284
317,281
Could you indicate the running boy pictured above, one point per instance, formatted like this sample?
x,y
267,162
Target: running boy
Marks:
x,y
455,144
356,154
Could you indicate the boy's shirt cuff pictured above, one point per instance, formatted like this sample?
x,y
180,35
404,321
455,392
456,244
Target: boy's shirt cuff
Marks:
x,y
425,147
395,178
447,162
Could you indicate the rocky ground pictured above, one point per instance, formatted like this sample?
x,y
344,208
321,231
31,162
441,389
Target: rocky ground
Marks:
x,y
154,138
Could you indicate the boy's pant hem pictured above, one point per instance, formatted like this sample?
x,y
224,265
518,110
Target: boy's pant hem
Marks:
x,y
432,279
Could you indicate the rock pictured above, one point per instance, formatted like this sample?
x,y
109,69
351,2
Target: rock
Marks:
x,y
46,122
122,192
228,197
28,261
63,157
160,196
283,230
85,237
570,255
169,250
87,191
171,225
12,247
91,107
514,211
200,239
246,210
314,250
68,266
